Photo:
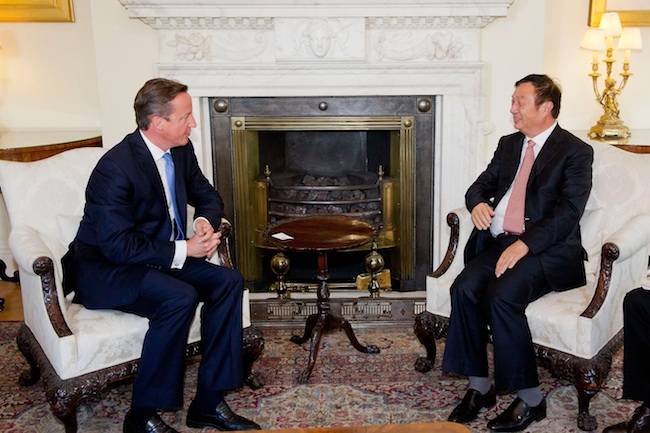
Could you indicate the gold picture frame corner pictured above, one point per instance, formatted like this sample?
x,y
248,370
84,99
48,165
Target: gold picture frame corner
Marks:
x,y
629,18
39,11
596,10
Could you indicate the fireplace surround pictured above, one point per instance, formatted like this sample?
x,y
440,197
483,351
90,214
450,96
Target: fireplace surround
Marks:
x,y
365,138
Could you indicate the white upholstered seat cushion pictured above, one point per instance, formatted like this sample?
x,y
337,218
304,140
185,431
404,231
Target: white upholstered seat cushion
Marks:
x,y
553,318
109,337
105,338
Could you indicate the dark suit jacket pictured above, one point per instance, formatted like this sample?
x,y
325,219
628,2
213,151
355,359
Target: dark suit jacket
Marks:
x,y
126,228
556,194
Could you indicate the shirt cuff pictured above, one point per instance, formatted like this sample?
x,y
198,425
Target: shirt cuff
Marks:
x,y
180,254
196,220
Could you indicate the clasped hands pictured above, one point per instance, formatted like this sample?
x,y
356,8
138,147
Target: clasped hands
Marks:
x,y
205,241
482,218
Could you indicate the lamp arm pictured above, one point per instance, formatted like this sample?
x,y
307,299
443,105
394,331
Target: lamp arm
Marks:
x,y
599,97
623,82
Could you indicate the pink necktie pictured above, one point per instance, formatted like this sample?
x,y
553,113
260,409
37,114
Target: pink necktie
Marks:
x,y
513,221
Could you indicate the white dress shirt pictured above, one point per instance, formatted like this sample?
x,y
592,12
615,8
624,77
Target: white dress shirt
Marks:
x,y
180,251
496,228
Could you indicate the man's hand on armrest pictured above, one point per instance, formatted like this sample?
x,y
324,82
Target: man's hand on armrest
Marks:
x,y
482,216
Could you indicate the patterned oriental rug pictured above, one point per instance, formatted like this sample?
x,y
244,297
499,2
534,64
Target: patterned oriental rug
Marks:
x,y
346,388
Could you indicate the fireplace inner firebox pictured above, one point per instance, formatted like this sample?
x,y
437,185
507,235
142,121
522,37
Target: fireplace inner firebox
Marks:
x,y
325,172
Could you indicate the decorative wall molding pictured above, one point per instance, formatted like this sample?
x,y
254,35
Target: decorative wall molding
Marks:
x,y
212,23
266,23
419,22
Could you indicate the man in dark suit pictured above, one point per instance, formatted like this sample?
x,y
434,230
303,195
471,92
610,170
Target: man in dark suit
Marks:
x,y
636,375
131,254
525,207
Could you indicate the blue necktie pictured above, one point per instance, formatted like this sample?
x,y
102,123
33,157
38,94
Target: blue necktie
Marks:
x,y
171,183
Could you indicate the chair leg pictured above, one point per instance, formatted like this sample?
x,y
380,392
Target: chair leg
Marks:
x,y
424,328
252,349
32,375
65,396
69,421
586,421
589,377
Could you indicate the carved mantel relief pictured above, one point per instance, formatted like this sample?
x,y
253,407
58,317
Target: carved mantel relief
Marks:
x,y
411,46
319,39
209,47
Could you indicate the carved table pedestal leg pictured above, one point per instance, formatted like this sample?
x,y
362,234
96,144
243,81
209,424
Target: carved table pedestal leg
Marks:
x,y
324,320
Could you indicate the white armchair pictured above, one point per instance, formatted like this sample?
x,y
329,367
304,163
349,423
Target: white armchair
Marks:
x,y
79,352
575,332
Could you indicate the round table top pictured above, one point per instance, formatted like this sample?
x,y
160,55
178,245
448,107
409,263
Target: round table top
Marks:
x,y
320,233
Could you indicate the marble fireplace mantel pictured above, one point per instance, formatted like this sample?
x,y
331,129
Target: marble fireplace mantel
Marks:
x,y
336,48
146,9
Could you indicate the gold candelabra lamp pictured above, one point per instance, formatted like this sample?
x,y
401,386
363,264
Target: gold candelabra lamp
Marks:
x,y
610,37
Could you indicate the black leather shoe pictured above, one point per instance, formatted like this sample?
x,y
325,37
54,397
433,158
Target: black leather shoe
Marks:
x,y
639,423
221,418
518,416
621,427
473,401
151,424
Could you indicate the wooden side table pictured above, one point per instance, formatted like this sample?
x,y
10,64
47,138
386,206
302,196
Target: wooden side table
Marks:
x,y
322,234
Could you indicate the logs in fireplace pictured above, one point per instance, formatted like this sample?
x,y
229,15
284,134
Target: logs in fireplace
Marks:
x,y
295,196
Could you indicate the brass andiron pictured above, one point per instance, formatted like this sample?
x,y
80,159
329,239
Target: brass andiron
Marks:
x,y
610,125
280,267
374,264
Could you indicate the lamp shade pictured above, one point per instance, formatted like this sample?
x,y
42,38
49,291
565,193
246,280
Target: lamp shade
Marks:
x,y
611,24
630,39
594,40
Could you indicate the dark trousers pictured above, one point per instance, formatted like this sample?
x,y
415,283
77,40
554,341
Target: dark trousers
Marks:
x,y
169,300
479,300
636,365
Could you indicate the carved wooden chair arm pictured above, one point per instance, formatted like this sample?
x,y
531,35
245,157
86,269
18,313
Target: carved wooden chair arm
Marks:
x,y
454,223
609,254
223,250
34,259
44,268
631,240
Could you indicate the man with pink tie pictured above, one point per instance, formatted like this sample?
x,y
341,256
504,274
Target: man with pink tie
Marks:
x,y
526,207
